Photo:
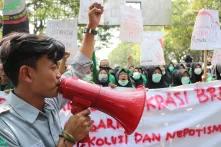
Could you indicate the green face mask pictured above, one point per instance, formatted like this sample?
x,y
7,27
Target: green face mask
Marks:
x,y
156,77
185,80
171,68
123,82
136,75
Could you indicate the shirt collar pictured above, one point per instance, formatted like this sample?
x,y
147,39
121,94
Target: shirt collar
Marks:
x,y
23,109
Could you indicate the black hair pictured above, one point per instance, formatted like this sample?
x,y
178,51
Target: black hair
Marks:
x,y
19,49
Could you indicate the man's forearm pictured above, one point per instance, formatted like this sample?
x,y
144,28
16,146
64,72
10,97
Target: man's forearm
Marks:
x,y
88,45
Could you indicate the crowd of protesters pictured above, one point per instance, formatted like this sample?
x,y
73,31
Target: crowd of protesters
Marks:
x,y
153,77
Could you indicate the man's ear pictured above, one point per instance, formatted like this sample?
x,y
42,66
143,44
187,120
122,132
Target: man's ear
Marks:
x,y
26,73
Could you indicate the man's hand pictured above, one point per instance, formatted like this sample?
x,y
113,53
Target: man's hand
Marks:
x,y
94,15
66,56
79,125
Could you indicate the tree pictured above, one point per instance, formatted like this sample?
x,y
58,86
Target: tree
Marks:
x,y
119,56
178,35
43,10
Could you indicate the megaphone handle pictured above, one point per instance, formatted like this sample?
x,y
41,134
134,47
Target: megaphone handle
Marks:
x,y
75,109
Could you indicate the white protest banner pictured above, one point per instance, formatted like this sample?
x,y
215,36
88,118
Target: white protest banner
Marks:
x,y
152,49
83,11
131,26
216,57
206,33
66,32
184,116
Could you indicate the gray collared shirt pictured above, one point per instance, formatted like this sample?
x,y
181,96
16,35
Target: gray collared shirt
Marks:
x,y
24,125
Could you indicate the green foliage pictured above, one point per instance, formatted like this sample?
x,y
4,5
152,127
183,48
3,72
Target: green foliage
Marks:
x,y
178,35
43,10
119,56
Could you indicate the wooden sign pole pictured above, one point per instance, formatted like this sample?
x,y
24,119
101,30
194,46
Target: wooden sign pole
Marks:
x,y
204,78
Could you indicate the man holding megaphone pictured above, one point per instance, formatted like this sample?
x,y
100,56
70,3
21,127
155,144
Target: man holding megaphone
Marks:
x,y
30,115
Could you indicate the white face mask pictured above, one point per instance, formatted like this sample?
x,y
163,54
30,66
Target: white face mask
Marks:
x,y
136,75
123,82
102,77
156,77
185,80
198,71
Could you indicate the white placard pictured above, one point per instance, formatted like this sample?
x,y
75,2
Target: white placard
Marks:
x,y
131,26
206,33
152,49
66,32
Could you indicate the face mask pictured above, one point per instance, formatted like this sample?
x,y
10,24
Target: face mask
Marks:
x,y
88,78
185,80
171,68
156,78
102,77
197,71
136,75
123,82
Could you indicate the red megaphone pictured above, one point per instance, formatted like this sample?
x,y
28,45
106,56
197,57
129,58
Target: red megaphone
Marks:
x,y
126,107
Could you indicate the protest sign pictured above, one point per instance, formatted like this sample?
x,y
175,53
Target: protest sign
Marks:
x,y
66,32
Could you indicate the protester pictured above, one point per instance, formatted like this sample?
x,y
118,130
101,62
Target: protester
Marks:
x,y
30,61
170,69
131,69
104,64
181,77
197,73
103,78
218,71
123,79
139,79
155,79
